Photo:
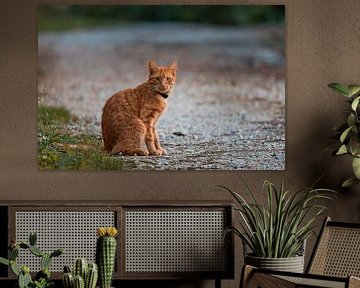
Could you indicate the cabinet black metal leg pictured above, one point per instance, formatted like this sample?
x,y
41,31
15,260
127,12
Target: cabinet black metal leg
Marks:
x,y
217,283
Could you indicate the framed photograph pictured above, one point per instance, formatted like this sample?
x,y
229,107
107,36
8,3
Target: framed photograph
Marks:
x,y
161,87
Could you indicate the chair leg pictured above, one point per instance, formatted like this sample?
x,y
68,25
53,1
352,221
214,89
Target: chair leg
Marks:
x,y
217,283
354,282
250,278
246,273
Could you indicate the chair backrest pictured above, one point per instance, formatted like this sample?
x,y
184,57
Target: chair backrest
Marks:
x,y
337,251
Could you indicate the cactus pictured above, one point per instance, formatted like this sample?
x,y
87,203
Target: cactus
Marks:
x,y
67,269
24,245
32,238
14,268
45,261
68,280
36,251
44,273
105,254
79,282
80,267
24,278
57,252
91,276
13,253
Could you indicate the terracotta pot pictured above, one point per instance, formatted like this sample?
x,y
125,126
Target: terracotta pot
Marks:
x,y
291,264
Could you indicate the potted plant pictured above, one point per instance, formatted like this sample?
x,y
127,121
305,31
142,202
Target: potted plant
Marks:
x,y
348,133
106,254
87,274
42,278
276,233
84,274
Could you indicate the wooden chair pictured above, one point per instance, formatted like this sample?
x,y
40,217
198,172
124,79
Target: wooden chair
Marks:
x,y
335,262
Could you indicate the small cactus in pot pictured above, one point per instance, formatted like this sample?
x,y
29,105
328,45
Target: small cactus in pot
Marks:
x,y
68,278
106,254
91,276
85,275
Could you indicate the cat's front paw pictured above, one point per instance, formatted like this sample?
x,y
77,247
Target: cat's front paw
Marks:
x,y
163,151
156,152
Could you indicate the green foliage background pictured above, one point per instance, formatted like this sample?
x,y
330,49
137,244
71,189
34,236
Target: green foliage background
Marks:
x,y
59,17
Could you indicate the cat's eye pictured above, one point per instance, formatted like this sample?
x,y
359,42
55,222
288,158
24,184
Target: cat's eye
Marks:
x,y
169,79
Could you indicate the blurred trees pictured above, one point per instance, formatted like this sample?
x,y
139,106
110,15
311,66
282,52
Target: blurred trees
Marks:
x,y
214,14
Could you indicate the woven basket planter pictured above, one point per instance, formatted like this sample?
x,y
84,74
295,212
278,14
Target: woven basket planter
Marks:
x,y
291,264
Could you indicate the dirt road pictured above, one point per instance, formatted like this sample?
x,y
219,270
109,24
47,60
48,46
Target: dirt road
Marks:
x,y
228,106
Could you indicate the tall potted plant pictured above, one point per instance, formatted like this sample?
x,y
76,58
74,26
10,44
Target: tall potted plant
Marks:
x,y
275,234
348,132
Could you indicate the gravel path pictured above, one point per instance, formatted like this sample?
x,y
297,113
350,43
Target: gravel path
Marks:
x,y
228,106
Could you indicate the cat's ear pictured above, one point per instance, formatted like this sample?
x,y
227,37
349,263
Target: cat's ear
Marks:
x,y
153,68
173,65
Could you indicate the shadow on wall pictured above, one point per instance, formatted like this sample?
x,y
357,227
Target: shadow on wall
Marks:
x,y
331,170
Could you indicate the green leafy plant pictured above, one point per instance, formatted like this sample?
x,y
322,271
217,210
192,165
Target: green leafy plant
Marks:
x,y
43,283
42,278
279,229
349,132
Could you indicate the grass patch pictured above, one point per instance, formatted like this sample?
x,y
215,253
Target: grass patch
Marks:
x,y
59,149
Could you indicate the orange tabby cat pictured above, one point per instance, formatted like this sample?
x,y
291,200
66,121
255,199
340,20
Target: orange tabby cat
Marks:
x,y
129,116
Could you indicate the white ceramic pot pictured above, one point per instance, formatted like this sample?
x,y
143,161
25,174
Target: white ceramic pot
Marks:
x,y
291,264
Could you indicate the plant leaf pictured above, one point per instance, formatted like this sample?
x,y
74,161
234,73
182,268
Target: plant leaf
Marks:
x,y
355,103
14,268
342,150
4,261
356,167
345,134
349,182
354,145
351,119
353,89
340,88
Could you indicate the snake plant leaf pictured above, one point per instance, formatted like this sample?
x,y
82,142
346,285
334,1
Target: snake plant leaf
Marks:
x,y
356,167
340,88
280,227
355,103
345,134
342,150
353,89
351,181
